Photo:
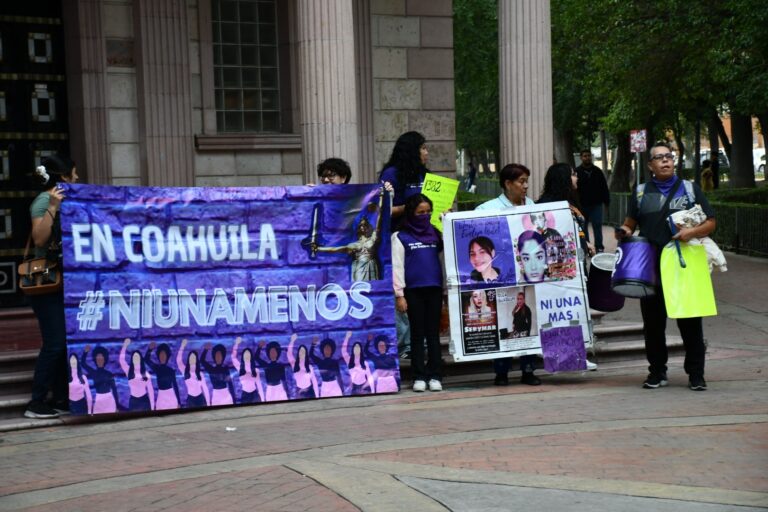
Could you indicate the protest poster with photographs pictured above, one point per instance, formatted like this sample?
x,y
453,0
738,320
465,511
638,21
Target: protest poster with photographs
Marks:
x,y
516,284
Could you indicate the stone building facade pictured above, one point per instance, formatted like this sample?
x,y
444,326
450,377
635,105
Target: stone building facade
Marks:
x,y
374,69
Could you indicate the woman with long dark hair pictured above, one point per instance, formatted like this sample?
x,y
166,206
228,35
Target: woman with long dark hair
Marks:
x,y
560,185
51,367
405,170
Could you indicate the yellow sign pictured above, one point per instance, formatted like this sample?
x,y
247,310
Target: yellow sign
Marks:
x,y
442,192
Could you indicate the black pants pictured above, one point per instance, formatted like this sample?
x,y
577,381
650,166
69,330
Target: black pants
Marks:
x,y
501,366
424,308
654,327
51,367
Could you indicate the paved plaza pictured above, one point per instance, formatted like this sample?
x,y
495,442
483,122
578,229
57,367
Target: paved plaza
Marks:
x,y
594,441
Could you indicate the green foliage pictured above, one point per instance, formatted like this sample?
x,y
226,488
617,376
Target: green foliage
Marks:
x,y
752,196
476,62
660,64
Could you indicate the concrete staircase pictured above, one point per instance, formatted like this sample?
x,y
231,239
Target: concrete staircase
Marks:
x,y
614,341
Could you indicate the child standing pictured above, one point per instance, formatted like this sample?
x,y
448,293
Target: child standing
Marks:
x,y
418,282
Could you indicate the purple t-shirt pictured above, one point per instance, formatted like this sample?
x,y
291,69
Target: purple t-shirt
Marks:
x,y
402,190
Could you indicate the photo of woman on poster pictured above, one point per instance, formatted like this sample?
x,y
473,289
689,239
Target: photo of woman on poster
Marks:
x,y
554,243
516,318
478,310
532,257
482,253
521,317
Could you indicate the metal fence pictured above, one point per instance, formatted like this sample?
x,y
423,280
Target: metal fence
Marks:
x,y
741,228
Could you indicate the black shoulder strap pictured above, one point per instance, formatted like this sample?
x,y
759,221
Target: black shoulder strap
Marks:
x,y
661,222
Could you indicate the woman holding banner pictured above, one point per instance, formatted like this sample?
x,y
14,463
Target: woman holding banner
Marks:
x,y
51,367
513,180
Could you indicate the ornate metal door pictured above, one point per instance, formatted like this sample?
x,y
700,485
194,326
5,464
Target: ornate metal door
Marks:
x,y
33,120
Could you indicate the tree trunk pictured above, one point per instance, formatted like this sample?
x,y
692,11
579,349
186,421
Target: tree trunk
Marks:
x,y
604,152
680,148
742,173
564,146
622,164
697,152
724,136
714,148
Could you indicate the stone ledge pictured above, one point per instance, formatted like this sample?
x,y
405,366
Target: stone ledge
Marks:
x,y
233,142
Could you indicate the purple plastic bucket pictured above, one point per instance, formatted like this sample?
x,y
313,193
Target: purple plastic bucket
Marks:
x,y
601,296
636,274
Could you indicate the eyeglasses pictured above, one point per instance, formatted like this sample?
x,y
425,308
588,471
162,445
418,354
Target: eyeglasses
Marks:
x,y
328,175
663,156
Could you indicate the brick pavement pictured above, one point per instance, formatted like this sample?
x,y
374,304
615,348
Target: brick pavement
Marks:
x,y
598,433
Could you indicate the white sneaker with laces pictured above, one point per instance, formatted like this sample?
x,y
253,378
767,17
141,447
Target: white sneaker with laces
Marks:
x,y
419,386
435,385
591,367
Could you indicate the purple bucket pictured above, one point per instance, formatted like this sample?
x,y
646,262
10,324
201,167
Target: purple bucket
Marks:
x,y
601,296
636,274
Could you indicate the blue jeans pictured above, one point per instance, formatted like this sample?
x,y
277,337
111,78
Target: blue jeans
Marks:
x,y
594,215
51,366
501,366
403,332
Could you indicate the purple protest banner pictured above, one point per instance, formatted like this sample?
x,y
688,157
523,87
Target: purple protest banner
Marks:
x,y
195,297
563,349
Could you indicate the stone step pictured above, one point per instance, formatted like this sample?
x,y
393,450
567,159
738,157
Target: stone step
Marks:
x,y
18,361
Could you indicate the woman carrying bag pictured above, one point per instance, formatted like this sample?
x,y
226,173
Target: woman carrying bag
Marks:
x,y
51,368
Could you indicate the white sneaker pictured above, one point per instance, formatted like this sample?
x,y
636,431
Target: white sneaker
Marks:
x,y
419,386
435,385
591,367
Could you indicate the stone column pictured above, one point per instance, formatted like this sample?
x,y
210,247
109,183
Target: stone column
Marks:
x,y
163,83
525,87
367,172
328,87
87,90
